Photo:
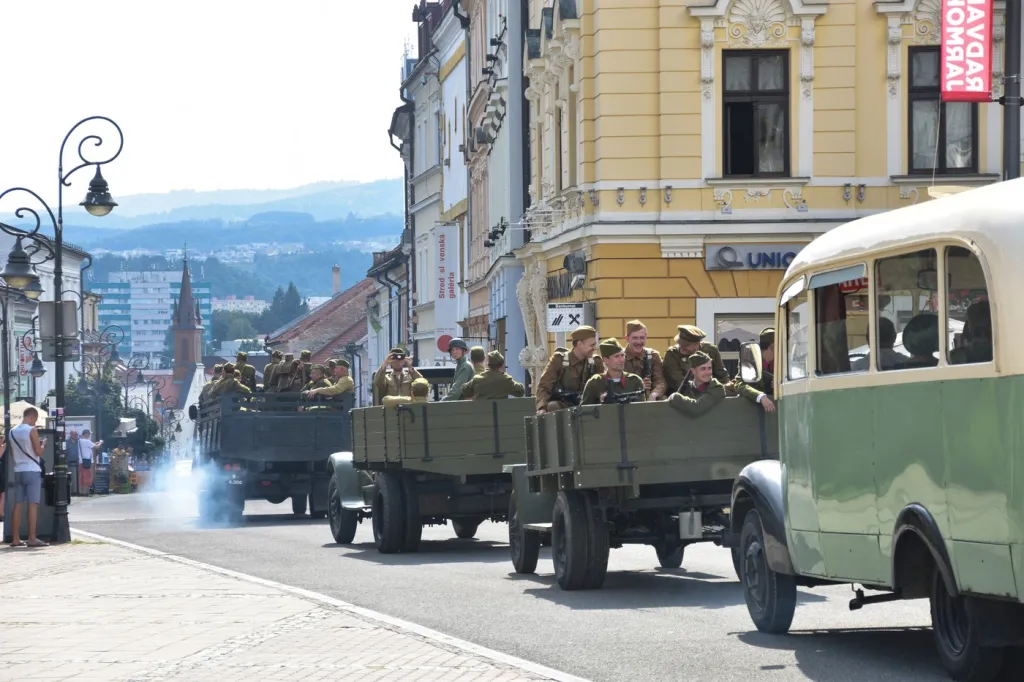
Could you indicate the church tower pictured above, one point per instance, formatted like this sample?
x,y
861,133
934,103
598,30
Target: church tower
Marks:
x,y
187,329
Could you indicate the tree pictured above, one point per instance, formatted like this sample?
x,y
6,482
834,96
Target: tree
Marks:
x,y
285,307
103,399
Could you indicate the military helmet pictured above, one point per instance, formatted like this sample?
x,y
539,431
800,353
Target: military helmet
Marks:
x,y
457,343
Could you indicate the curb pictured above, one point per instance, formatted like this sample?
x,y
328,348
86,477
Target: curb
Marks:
x,y
366,614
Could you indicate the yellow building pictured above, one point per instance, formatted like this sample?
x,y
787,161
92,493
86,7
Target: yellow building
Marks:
x,y
683,151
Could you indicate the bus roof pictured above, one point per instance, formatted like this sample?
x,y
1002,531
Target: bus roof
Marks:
x,y
991,216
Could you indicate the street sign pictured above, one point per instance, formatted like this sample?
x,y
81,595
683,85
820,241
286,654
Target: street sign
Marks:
x,y
565,317
48,318
72,350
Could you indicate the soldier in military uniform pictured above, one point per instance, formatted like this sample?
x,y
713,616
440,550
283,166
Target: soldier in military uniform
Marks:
x,y
615,379
218,374
307,363
247,371
230,383
316,379
568,371
761,393
644,362
478,358
458,349
494,384
342,383
395,375
420,389
269,381
703,391
290,380
689,341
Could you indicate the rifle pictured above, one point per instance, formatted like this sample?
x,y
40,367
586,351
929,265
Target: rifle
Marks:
x,y
623,398
570,398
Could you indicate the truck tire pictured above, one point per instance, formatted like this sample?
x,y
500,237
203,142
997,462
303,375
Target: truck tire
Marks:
x,y
955,627
670,556
465,529
388,514
343,522
524,545
413,524
569,530
737,562
770,596
299,505
597,544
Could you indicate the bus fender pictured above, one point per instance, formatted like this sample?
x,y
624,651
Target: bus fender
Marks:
x,y
759,487
352,483
915,520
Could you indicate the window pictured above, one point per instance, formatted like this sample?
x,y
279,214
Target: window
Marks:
x,y
906,309
731,331
840,318
970,324
755,110
943,137
798,313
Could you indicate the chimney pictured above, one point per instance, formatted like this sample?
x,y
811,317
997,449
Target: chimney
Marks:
x,y
336,274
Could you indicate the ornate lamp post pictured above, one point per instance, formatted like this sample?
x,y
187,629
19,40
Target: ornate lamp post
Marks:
x,y
19,274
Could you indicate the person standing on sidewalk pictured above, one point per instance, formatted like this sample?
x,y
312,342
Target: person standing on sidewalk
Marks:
x,y
27,450
86,450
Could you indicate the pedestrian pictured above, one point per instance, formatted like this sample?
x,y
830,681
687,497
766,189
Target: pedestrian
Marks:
x,y
3,474
86,450
27,452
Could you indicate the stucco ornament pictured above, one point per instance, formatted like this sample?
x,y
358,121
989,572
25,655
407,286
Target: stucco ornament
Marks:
x,y
928,22
757,23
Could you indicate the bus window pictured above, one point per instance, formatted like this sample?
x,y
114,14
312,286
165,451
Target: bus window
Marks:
x,y
970,325
840,317
797,317
907,311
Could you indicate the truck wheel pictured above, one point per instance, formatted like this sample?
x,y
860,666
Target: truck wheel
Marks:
x,y
343,522
955,626
298,505
597,544
524,545
413,523
737,562
388,514
569,530
669,556
465,529
770,596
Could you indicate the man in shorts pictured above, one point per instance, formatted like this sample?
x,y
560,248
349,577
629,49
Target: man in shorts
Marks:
x,y
27,486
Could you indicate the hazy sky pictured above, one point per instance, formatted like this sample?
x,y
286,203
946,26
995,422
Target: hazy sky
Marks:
x,y
210,94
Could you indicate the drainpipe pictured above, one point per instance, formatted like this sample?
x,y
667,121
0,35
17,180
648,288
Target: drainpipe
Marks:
x,y
391,328
398,293
467,222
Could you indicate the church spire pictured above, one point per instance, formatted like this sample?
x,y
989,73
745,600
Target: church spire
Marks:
x,y
186,312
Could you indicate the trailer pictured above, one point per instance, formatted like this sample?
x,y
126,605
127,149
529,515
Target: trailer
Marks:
x,y
421,464
598,477
267,446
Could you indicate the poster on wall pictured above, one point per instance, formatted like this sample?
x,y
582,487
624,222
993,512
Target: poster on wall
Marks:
x,y
446,287
966,63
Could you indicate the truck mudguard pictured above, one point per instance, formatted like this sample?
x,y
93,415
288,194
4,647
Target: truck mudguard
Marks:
x,y
350,481
759,486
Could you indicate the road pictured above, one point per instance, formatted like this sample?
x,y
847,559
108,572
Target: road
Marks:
x,y
686,624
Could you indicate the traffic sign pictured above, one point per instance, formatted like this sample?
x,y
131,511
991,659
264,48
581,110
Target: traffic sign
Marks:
x,y
565,317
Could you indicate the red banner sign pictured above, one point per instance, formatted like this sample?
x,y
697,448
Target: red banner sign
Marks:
x,y
966,69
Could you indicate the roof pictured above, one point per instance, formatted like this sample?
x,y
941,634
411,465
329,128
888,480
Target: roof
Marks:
x,y
350,335
319,328
386,260
186,308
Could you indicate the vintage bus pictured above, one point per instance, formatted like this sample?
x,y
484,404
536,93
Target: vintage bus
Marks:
x,y
899,367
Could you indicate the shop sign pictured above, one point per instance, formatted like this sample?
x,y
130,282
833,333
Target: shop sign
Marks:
x,y
750,256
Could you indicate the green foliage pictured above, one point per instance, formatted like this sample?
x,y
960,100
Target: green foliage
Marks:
x,y
251,346
227,325
284,307
103,397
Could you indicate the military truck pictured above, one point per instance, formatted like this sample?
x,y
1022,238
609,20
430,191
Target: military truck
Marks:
x,y
600,476
423,464
267,446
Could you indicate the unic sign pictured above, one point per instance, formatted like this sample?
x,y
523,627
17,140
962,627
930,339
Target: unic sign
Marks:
x,y
966,50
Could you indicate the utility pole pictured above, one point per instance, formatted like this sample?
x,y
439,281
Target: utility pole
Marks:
x,y
1011,92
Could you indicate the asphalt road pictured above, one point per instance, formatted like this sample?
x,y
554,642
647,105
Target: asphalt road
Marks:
x,y
646,623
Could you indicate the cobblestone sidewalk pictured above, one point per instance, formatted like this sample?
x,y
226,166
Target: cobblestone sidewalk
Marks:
x,y
92,611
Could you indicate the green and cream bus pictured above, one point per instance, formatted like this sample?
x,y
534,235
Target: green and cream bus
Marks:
x,y
899,362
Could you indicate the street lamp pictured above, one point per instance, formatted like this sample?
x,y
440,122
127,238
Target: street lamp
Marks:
x,y
98,203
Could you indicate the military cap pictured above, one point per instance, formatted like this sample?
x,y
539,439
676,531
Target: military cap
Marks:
x,y
397,350
766,337
495,359
634,326
277,354
217,369
420,387
229,368
305,355
690,333
242,355
289,357
457,343
698,359
477,354
341,363
582,333
332,363
319,368
610,347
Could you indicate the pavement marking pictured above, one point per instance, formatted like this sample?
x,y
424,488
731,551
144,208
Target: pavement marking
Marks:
x,y
426,633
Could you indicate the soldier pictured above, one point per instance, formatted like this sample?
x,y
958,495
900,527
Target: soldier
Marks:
x,y
395,375
458,349
342,382
689,341
615,379
307,363
478,357
701,393
494,384
207,390
567,371
269,382
420,394
316,379
247,371
230,383
331,364
644,362
761,392
291,379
